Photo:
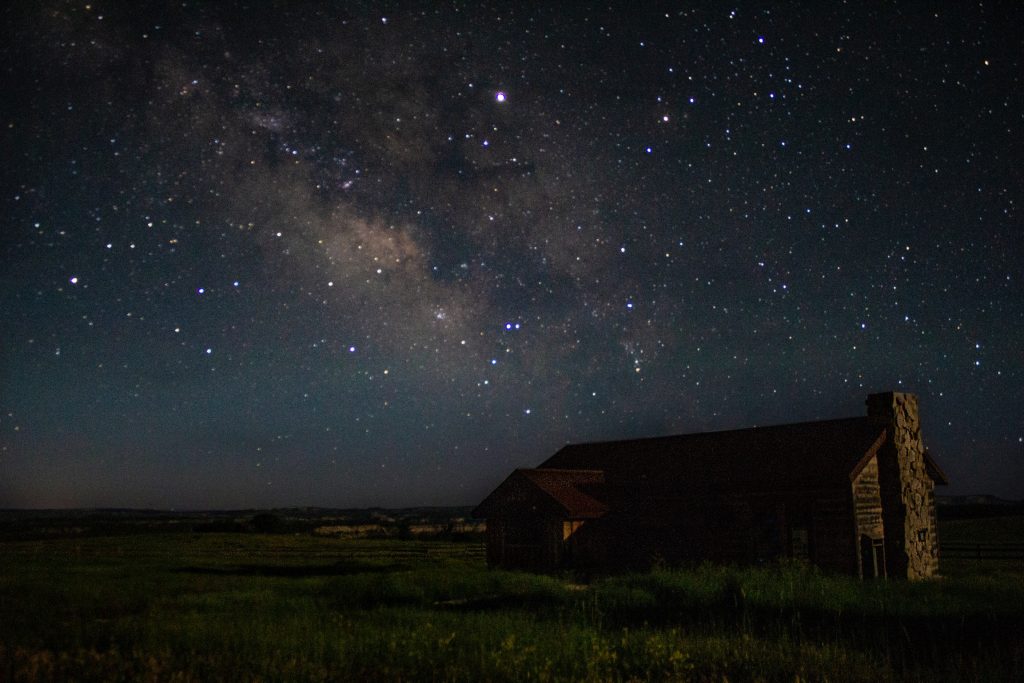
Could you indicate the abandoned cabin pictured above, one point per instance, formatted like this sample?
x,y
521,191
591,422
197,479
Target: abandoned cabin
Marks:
x,y
852,495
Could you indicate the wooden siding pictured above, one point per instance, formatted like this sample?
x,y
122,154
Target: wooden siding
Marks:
x,y
867,501
524,541
818,526
869,523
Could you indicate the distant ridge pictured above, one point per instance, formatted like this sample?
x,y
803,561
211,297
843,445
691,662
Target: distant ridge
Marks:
x,y
976,506
976,499
310,511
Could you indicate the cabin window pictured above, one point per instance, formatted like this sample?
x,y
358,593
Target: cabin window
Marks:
x,y
872,557
922,535
878,556
569,527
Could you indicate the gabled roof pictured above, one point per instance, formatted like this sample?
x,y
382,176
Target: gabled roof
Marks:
x,y
568,488
803,455
565,492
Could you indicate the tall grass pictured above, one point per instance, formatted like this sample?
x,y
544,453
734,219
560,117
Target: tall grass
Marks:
x,y
245,607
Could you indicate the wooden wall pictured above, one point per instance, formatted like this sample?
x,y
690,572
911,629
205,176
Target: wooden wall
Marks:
x,y
821,526
525,541
870,527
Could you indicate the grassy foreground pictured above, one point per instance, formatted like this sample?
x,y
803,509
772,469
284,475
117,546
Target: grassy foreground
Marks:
x,y
209,607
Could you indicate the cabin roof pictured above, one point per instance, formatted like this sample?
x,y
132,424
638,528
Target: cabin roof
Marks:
x,y
933,469
582,481
567,491
568,488
802,455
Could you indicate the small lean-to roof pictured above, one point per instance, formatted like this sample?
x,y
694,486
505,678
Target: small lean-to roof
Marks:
x,y
568,488
933,469
567,493
821,454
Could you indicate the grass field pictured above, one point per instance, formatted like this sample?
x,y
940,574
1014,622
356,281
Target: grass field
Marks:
x,y
209,607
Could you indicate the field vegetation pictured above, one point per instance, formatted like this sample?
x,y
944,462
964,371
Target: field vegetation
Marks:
x,y
187,606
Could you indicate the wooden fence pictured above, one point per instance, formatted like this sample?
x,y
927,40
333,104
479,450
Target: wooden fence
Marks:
x,y
982,551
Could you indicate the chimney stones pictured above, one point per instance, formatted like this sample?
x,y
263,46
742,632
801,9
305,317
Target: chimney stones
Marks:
x,y
907,491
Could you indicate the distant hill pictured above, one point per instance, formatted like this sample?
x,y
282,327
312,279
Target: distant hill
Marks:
x,y
980,505
976,499
451,523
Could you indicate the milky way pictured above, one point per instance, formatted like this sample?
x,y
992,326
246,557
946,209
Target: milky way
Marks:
x,y
273,255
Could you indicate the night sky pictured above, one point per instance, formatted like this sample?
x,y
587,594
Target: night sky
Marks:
x,y
277,254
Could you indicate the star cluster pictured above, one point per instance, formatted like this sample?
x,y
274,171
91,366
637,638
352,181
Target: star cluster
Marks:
x,y
263,255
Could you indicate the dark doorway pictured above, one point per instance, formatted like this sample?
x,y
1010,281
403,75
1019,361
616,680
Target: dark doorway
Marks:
x,y
872,557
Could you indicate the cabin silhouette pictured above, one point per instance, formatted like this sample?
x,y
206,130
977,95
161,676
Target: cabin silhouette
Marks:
x,y
853,495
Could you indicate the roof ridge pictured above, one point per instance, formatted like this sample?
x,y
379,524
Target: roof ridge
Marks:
x,y
565,492
665,437
565,470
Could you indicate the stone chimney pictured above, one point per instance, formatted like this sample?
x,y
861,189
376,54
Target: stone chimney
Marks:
x,y
907,491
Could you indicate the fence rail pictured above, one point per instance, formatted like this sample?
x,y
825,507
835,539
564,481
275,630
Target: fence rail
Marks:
x,y
982,551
